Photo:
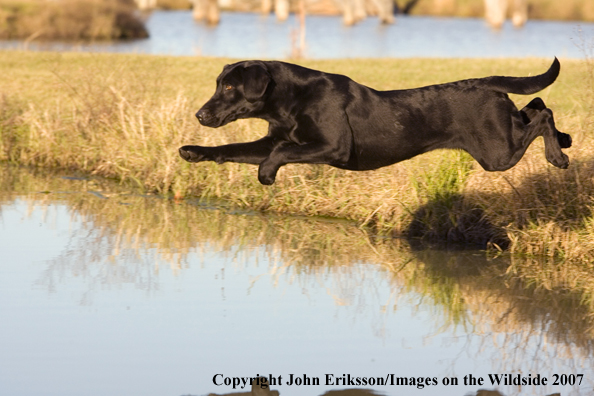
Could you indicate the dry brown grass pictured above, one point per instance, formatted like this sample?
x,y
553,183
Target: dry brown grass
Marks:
x,y
577,10
70,20
174,4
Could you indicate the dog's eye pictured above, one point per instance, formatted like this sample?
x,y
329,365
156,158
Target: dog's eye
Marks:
x,y
228,87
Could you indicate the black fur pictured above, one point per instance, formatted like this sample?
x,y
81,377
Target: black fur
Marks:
x,y
322,118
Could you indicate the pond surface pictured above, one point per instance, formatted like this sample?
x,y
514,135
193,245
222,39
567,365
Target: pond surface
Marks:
x,y
250,35
107,292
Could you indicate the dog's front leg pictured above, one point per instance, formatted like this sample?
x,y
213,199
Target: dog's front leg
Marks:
x,y
309,153
247,153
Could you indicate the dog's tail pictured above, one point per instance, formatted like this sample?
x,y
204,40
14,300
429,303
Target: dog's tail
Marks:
x,y
522,85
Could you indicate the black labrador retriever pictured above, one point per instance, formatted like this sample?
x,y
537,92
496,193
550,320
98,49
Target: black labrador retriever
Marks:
x,y
323,118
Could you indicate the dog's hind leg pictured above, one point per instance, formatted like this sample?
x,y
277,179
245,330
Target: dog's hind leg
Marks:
x,y
543,125
512,131
533,109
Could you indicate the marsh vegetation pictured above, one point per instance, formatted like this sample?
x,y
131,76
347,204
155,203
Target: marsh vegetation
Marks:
x,y
124,116
576,10
70,20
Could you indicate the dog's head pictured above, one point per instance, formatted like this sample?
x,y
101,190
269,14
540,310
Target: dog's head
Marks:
x,y
241,91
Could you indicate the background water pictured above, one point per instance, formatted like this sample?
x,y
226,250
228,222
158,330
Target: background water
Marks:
x,y
250,35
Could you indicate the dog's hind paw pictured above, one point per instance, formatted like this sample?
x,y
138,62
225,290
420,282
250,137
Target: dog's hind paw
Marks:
x,y
564,140
267,173
561,161
266,180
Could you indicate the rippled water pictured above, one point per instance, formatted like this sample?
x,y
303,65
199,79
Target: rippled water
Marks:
x,y
107,292
246,35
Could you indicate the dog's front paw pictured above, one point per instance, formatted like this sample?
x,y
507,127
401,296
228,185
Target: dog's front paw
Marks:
x,y
191,153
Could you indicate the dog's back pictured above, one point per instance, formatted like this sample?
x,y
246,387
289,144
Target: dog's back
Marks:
x,y
457,114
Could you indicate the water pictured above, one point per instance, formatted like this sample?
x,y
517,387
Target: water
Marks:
x,y
247,35
107,292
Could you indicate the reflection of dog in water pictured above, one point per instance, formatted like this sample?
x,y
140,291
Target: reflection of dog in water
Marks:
x,y
261,388
484,392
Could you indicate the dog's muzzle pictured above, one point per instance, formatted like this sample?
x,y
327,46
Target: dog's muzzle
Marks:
x,y
204,116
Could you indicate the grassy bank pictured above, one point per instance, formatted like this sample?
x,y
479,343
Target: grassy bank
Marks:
x,y
124,116
70,20
569,10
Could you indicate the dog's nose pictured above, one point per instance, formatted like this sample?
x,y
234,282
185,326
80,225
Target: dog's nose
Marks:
x,y
201,115
204,117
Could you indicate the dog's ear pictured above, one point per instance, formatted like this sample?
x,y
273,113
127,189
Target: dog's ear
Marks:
x,y
255,82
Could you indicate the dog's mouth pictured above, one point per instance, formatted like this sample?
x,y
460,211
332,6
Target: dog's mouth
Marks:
x,y
210,120
215,122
